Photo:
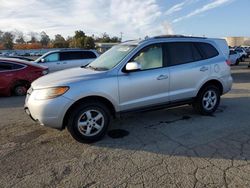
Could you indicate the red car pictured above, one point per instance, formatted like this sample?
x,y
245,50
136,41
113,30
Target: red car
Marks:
x,y
17,75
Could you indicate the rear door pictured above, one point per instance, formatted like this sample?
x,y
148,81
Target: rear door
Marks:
x,y
187,68
148,86
72,59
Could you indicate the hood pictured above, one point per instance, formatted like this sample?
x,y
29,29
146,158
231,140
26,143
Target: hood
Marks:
x,y
66,77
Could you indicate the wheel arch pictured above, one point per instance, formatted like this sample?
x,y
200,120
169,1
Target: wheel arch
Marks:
x,y
19,82
100,99
214,82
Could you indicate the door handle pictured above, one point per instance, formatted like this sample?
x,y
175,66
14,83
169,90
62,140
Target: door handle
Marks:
x,y
64,62
58,63
162,77
203,69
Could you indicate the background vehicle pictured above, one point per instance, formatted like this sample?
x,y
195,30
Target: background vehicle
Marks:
x,y
64,59
247,49
17,75
242,53
234,57
18,57
155,73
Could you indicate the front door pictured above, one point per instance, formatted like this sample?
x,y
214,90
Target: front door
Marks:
x,y
148,86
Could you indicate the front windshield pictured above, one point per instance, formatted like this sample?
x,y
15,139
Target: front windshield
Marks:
x,y
111,58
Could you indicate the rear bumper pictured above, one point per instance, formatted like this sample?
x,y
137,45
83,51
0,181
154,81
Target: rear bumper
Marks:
x,y
227,83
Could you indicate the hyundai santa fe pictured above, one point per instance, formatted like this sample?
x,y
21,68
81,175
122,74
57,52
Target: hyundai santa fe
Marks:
x,y
133,76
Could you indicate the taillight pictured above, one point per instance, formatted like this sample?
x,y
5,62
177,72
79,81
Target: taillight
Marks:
x,y
228,62
45,72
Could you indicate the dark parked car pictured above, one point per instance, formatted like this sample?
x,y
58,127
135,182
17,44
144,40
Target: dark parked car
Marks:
x,y
17,75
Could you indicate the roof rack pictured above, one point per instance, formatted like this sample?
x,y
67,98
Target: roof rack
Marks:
x,y
176,36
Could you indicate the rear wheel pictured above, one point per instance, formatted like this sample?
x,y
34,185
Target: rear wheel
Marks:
x,y
89,122
208,100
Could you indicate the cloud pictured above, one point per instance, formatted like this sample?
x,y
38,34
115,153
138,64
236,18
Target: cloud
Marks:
x,y
135,18
205,8
177,7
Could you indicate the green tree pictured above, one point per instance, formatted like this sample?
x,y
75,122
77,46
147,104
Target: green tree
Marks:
x,y
1,36
33,39
89,43
7,40
106,38
60,42
78,41
20,39
44,39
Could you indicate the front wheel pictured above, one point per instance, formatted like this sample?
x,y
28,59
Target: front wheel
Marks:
x,y
89,122
207,101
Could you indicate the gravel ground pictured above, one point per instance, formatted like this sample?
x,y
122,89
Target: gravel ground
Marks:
x,y
167,148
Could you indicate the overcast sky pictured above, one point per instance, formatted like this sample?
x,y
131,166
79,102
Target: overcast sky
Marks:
x,y
135,18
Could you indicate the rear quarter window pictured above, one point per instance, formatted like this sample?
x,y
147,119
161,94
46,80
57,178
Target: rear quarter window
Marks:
x,y
208,51
182,52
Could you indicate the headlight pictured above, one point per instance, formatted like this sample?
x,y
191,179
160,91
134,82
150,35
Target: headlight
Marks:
x,y
50,93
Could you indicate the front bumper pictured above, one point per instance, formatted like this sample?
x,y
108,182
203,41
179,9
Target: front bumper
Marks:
x,y
49,113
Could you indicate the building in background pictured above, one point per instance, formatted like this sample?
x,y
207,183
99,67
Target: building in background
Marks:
x,y
238,41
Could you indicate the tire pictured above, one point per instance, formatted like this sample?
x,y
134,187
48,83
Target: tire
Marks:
x,y
89,122
20,90
207,100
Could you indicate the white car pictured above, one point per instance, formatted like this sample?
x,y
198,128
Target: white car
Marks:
x,y
242,53
234,57
64,59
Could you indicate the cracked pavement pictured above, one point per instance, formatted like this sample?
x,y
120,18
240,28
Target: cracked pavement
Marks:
x,y
166,148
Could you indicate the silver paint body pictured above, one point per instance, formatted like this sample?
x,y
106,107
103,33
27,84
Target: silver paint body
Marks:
x,y
127,91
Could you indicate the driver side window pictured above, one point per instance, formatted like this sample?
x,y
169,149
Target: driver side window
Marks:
x,y
52,58
150,57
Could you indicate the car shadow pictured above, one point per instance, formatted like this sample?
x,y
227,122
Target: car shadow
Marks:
x,y
12,102
241,77
181,132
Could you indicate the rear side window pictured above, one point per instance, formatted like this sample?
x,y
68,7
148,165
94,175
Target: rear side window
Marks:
x,y
70,55
207,50
77,55
9,66
182,52
88,55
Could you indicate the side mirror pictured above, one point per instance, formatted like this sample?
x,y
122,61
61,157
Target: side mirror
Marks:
x,y
132,66
42,60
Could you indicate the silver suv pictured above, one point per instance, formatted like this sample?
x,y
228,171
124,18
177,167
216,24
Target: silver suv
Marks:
x,y
135,75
